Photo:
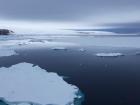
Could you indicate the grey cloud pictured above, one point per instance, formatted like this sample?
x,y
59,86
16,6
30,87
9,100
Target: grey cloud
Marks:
x,y
62,10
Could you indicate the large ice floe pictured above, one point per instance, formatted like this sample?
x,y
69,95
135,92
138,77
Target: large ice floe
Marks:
x,y
23,84
109,54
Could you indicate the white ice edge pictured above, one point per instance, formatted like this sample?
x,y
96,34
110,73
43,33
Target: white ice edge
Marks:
x,y
109,54
23,84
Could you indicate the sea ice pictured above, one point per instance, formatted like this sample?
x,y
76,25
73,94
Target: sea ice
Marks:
x,y
22,84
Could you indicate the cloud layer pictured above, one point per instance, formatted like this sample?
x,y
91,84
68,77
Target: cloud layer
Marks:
x,y
64,10
90,13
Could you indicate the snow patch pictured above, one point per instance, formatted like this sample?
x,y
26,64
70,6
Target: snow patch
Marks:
x,y
23,84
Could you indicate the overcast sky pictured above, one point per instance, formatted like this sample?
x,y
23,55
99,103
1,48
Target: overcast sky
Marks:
x,y
80,12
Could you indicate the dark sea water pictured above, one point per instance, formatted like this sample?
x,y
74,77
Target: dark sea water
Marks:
x,y
102,80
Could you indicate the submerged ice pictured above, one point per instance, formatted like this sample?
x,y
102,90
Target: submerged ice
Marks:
x,y
23,84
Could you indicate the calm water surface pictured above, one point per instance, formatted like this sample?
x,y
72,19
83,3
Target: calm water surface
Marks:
x,y
103,80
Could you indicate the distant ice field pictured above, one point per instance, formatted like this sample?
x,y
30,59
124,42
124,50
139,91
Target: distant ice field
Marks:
x,y
8,44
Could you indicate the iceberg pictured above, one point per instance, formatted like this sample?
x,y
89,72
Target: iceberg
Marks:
x,y
25,84
109,54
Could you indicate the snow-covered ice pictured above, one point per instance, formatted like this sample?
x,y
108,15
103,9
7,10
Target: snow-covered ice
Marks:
x,y
23,84
109,54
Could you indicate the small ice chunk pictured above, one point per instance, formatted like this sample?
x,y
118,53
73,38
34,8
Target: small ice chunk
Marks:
x,y
59,48
82,50
109,54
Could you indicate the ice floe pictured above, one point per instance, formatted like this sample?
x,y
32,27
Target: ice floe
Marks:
x,y
109,54
59,48
23,84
